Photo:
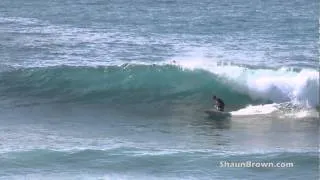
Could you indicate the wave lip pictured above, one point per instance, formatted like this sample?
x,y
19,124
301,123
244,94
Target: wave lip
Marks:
x,y
296,85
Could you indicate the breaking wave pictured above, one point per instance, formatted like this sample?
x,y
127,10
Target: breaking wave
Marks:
x,y
163,83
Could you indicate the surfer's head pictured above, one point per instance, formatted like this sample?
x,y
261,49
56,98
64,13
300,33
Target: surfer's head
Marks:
x,y
214,97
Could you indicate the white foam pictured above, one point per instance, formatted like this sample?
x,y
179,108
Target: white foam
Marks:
x,y
279,85
301,114
280,109
256,110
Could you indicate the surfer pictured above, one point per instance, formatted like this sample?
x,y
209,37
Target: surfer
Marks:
x,y
219,103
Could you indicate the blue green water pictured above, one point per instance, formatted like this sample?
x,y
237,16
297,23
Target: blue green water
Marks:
x,y
109,89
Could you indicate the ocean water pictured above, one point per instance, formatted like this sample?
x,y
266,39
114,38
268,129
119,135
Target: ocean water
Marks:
x,y
106,89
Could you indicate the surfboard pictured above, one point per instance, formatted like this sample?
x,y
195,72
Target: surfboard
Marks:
x,y
219,114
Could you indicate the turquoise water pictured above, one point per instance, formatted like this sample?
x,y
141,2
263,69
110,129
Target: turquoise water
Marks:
x,y
117,89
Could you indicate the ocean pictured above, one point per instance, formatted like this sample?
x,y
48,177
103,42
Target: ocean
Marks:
x,y
117,89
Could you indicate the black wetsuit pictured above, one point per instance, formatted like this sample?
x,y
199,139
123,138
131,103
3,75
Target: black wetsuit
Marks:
x,y
220,104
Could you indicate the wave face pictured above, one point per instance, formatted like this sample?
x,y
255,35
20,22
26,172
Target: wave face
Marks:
x,y
134,84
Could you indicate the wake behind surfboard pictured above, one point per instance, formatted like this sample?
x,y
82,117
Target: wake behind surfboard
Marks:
x,y
218,114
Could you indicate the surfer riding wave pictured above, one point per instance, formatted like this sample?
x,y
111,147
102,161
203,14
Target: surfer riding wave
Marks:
x,y
218,103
